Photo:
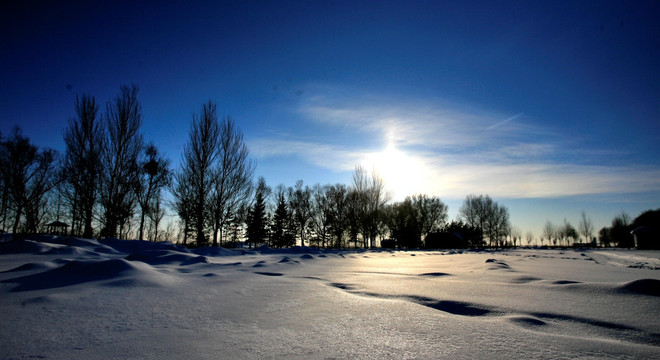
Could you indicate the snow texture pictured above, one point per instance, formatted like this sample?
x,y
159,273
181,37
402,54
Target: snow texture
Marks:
x,y
65,298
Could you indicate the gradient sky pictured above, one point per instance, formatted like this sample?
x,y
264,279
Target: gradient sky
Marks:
x,y
549,107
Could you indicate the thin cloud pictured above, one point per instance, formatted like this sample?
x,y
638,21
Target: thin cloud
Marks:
x,y
328,156
505,121
457,149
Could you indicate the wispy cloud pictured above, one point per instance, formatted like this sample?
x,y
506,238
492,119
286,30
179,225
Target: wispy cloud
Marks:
x,y
505,121
462,149
328,156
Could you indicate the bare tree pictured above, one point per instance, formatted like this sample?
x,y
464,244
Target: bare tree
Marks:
x,y
585,227
371,200
567,233
620,231
196,178
529,236
403,223
84,139
321,213
431,212
28,175
300,200
549,232
232,177
154,175
516,236
183,194
483,213
410,220
120,160
339,211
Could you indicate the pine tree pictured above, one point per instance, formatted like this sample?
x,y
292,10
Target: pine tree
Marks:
x,y
256,219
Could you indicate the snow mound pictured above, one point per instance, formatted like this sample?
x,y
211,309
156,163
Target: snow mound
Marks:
x,y
288,260
435,274
565,282
217,251
70,241
130,246
307,257
497,264
69,250
268,273
292,250
79,272
160,257
527,321
642,286
23,246
32,266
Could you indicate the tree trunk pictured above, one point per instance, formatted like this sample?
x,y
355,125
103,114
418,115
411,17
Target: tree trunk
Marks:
x,y
17,220
141,232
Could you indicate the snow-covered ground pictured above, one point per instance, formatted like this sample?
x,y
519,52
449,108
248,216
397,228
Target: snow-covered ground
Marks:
x,y
83,299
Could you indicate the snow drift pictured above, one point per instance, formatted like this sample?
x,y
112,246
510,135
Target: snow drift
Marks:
x,y
78,299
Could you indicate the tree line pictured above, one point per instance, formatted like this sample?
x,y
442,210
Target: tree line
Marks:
x,y
106,178
111,183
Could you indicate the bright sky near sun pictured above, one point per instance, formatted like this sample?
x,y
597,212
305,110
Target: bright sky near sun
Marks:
x,y
549,107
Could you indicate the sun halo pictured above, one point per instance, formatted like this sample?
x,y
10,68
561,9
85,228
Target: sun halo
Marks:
x,y
401,173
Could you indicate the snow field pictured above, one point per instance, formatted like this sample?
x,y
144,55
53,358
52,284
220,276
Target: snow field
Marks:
x,y
80,299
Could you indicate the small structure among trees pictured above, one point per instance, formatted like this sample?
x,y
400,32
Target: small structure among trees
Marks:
x,y
57,227
646,230
646,238
445,240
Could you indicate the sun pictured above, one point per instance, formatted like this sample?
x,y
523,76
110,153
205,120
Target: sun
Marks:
x,y
401,173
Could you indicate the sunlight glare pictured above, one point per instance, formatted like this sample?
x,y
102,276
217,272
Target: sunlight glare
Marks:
x,y
401,173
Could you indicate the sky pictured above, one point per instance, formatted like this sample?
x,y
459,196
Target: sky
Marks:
x,y
550,108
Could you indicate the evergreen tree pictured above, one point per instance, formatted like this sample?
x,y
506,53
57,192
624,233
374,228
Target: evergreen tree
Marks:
x,y
282,227
256,218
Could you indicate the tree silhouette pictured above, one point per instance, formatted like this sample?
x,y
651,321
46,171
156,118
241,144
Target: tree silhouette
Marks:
x,y
300,200
282,232
431,213
154,175
195,180
120,160
183,194
321,213
620,231
370,200
487,215
28,175
404,224
585,227
84,139
232,177
549,231
414,218
257,217
567,233
529,236
339,212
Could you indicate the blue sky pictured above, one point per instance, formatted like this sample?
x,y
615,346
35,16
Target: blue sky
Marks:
x,y
549,107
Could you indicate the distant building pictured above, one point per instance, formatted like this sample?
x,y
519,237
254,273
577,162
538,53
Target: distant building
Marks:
x,y
388,244
646,238
445,240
